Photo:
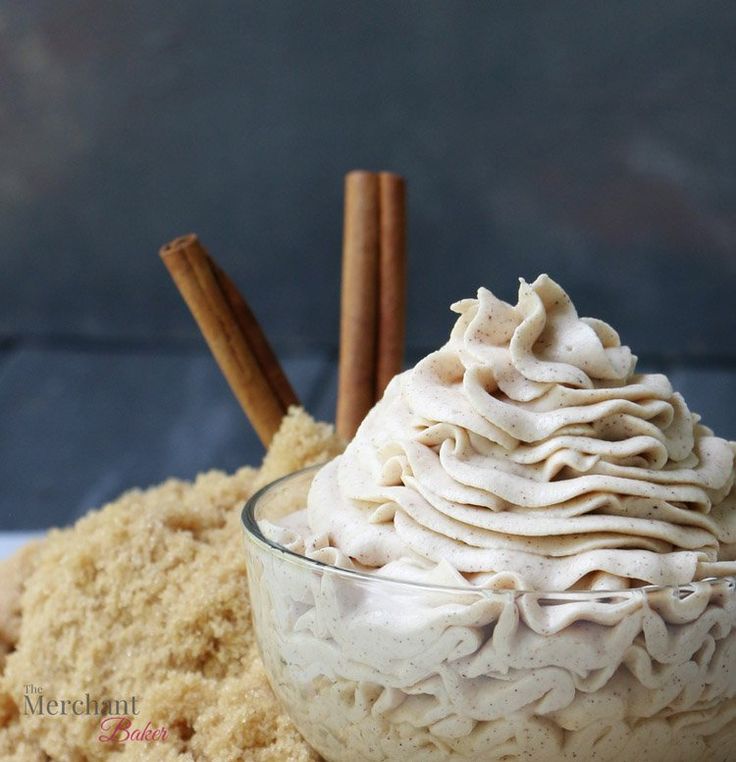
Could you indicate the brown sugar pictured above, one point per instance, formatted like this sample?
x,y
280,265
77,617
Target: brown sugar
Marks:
x,y
147,597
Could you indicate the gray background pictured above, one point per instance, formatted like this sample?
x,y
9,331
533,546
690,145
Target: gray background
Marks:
x,y
590,140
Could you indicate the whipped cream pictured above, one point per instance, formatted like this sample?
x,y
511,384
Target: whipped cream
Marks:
x,y
525,455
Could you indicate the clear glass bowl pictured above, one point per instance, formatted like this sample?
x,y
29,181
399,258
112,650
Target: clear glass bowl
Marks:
x,y
371,668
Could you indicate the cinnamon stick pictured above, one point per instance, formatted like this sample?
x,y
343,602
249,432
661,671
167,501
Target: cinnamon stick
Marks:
x,y
391,280
373,293
257,340
361,241
232,334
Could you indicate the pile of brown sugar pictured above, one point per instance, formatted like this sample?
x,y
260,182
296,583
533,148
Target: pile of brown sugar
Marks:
x,y
148,597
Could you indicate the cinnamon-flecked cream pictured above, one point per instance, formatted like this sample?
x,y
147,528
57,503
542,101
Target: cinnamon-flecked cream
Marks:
x,y
525,455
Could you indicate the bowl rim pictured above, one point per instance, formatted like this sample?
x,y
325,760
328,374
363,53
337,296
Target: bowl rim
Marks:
x,y
254,534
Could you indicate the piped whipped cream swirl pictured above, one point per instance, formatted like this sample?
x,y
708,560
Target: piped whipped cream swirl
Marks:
x,y
526,453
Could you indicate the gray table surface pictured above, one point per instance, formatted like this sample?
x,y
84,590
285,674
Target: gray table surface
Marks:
x,y
11,541
81,424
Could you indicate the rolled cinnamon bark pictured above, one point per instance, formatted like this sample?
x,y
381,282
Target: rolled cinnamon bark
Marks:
x,y
251,329
232,334
361,241
391,280
373,293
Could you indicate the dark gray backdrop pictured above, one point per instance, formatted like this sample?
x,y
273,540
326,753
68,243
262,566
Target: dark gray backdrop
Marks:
x,y
591,140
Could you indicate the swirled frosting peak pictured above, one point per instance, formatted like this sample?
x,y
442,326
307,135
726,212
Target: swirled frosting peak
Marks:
x,y
527,453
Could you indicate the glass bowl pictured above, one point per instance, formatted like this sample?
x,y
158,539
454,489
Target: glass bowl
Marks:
x,y
371,668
